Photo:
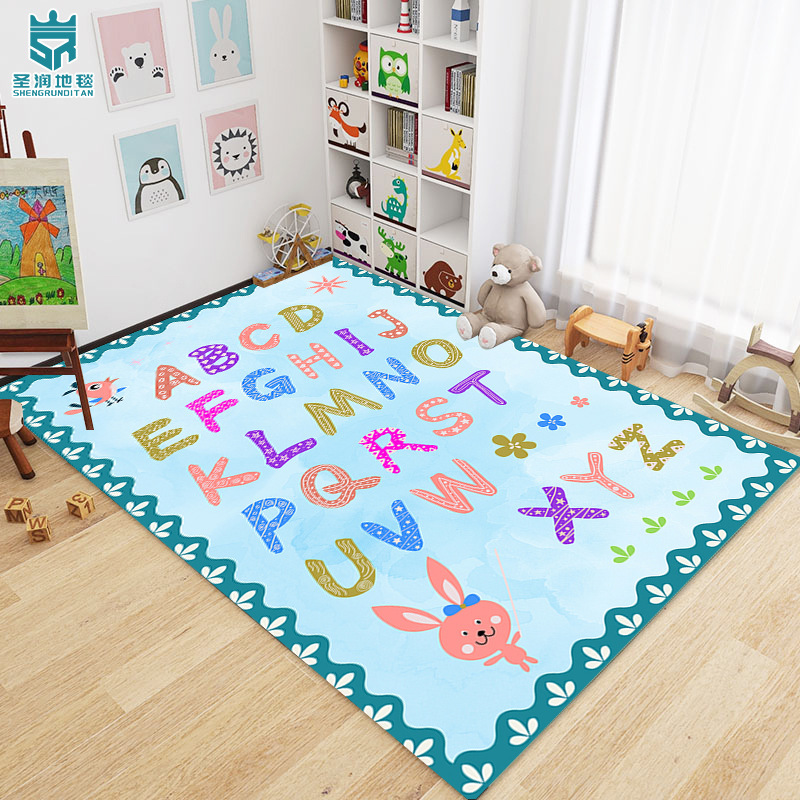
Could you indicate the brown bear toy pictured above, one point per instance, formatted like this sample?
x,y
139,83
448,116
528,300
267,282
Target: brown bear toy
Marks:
x,y
509,303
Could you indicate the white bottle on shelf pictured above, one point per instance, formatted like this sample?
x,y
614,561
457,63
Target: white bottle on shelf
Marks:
x,y
459,21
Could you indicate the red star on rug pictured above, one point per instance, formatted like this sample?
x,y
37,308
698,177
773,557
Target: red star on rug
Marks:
x,y
330,285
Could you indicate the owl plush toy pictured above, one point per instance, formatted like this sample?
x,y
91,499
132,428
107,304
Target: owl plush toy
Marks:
x,y
393,73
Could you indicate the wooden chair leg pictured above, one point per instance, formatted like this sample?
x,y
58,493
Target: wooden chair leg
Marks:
x,y
570,339
629,353
23,465
27,437
72,359
573,336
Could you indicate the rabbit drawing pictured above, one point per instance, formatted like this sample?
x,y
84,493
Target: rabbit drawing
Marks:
x,y
224,56
472,628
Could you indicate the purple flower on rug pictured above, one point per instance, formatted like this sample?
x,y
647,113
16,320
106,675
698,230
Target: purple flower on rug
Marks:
x,y
553,423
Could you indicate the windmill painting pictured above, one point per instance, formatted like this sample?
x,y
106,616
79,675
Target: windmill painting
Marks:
x,y
40,281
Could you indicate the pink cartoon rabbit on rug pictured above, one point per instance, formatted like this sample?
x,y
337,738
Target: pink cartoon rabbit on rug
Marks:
x,y
472,628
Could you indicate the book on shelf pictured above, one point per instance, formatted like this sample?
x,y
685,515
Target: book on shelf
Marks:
x,y
454,86
343,9
468,102
415,15
448,84
401,155
353,10
402,135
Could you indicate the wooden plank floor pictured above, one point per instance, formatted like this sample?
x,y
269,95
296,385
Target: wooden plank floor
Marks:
x,y
124,674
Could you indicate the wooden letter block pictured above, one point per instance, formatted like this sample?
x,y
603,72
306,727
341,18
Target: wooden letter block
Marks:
x,y
18,509
38,529
80,505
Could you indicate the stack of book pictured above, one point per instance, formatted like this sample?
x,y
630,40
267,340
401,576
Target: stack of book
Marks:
x,y
402,135
354,10
459,89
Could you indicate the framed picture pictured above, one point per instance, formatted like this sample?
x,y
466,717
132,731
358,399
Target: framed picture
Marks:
x,y
133,55
151,167
40,274
223,50
233,148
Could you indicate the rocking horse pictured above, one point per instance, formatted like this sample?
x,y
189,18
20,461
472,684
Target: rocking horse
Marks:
x,y
782,362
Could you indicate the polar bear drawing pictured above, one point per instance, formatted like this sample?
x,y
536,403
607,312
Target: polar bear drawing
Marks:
x,y
139,76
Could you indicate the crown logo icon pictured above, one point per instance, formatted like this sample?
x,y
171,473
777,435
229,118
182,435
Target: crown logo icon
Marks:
x,y
52,31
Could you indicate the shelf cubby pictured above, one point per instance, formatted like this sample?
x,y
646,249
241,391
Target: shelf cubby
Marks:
x,y
340,44
340,170
435,65
445,214
436,19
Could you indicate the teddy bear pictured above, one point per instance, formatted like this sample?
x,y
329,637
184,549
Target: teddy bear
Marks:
x,y
509,303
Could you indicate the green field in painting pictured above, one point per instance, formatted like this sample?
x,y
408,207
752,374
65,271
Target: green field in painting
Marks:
x,y
30,287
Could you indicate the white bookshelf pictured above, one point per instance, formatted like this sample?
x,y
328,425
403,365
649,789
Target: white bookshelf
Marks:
x,y
451,222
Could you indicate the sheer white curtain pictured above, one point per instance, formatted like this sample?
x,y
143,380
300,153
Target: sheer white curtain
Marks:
x,y
670,184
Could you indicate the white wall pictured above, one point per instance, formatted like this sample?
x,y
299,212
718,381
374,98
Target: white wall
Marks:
x,y
134,270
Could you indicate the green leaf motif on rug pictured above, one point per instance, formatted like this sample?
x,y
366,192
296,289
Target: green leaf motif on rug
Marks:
x,y
711,472
622,554
684,499
654,526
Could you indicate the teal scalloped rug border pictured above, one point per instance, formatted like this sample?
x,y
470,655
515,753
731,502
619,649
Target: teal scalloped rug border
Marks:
x,y
472,771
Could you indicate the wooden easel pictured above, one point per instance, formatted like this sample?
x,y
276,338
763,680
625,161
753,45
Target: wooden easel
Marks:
x,y
41,340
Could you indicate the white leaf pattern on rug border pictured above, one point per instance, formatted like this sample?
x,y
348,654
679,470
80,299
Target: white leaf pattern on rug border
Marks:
x,y
186,552
523,731
162,530
137,509
597,658
242,601
560,693
477,780
660,594
740,513
213,575
689,566
307,654
380,715
340,684
715,539
628,625
420,750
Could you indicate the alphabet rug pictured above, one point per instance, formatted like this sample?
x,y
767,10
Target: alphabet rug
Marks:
x,y
419,520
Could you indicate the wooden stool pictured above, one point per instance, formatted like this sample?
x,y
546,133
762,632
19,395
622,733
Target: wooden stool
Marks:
x,y
10,425
635,340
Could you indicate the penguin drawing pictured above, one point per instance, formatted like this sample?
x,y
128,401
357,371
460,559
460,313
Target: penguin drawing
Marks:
x,y
157,187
